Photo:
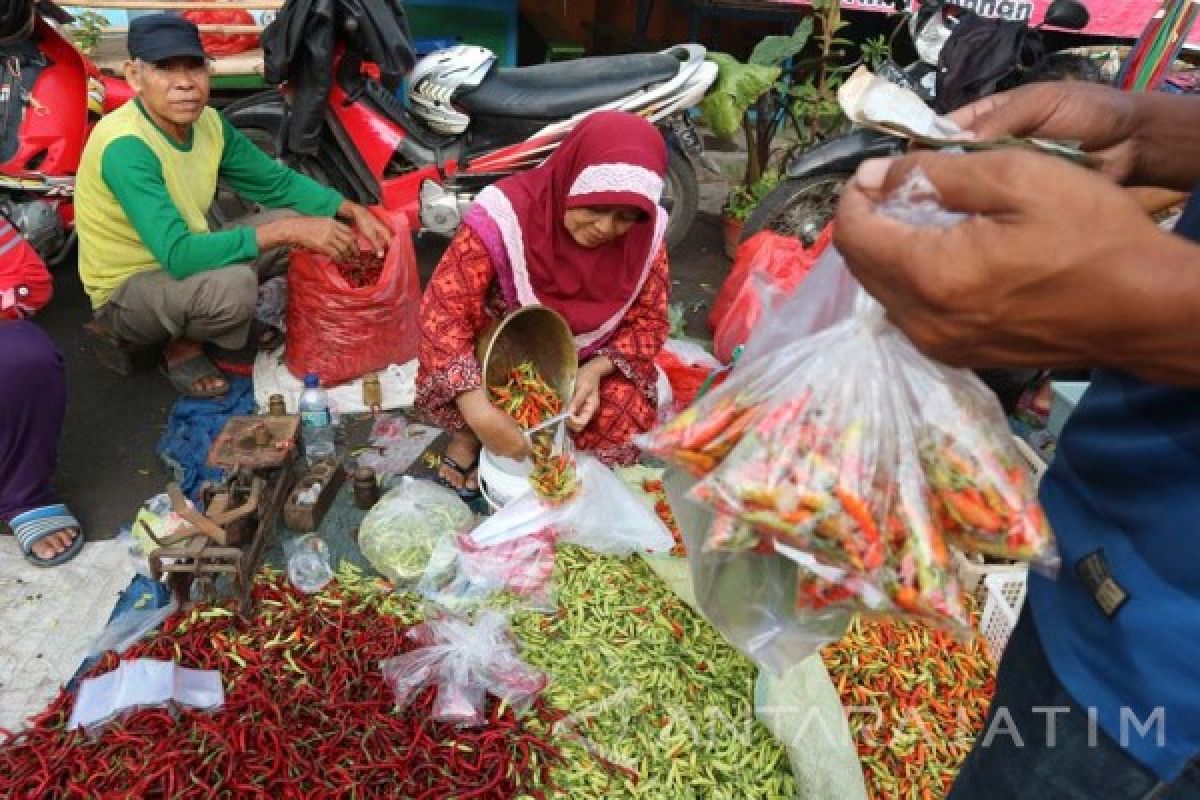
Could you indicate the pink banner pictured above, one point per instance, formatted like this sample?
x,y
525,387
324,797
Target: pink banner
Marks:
x,y
1125,19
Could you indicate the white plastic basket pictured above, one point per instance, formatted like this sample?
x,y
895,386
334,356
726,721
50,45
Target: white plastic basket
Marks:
x,y
1005,596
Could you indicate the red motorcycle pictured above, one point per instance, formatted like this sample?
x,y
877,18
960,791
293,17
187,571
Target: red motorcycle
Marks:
x,y
467,122
51,96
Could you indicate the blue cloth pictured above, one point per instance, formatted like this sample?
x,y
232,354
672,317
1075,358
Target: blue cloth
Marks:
x,y
1037,742
1125,484
193,426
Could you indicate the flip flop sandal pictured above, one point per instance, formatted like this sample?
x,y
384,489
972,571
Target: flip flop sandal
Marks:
x,y
465,494
112,354
186,374
34,525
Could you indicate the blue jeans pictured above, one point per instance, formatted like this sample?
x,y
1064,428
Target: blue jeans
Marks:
x,y
1064,768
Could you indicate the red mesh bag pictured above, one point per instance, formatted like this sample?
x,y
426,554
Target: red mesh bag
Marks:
x,y
224,44
341,331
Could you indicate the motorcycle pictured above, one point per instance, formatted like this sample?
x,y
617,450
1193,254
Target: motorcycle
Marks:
x,y
51,96
468,122
806,199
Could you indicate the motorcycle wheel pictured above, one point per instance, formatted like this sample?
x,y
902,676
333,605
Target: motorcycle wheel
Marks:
x,y
799,207
681,197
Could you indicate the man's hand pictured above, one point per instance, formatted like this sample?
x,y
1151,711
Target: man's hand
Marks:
x,y
586,400
1101,119
1056,266
369,226
1139,138
319,234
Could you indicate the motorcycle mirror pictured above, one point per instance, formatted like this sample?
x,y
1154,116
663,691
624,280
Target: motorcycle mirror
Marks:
x,y
1069,14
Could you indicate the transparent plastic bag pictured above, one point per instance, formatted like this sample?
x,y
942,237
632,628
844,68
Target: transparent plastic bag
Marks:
x,y
854,449
604,517
399,535
463,575
466,662
308,565
749,597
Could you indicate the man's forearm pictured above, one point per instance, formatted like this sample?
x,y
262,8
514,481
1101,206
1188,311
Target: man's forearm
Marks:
x,y
1156,333
1167,141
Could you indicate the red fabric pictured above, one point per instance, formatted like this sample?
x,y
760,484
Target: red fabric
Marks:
x,y
768,261
588,286
25,283
463,297
340,332
224,44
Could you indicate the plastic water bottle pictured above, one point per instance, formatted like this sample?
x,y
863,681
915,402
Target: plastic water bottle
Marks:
x,y
316,421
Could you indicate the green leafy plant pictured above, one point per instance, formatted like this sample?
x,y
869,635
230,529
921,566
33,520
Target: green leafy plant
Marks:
x,y
744,199
87,29
815,110
751,97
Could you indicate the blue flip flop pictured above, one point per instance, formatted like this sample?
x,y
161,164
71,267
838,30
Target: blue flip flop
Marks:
x,y
36,524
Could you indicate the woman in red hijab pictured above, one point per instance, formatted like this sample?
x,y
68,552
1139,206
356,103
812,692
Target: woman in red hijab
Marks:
x,y
584,235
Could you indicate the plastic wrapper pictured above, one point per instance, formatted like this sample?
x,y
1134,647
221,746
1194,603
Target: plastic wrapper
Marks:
x,y
463,575
466,662
339,330
750,597
687,366
143,683
308,564
844,447
127,629
604,517
399,535
395,443
768,266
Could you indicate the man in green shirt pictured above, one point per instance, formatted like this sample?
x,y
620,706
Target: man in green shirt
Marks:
x,y
156,275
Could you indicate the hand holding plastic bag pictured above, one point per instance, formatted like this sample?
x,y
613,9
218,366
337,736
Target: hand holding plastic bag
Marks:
x,y
466,662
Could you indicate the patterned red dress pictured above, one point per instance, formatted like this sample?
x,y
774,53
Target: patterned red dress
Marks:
x,y
463,297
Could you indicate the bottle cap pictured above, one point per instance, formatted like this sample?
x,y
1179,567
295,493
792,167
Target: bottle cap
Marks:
x,y
311,381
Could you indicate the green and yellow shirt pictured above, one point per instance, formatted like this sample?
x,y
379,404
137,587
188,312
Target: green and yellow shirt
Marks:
x,y
142,198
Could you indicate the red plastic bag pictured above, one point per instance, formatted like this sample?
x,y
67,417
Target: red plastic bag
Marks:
x,y
341,332
224,44
766,259
687,366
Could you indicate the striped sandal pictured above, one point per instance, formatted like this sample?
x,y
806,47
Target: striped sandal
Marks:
x,y
36,524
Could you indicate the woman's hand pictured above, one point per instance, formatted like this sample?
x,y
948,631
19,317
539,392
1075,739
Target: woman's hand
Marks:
x,y
586,400
499,432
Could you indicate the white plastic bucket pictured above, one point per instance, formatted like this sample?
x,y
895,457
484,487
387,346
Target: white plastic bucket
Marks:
x,y
502,480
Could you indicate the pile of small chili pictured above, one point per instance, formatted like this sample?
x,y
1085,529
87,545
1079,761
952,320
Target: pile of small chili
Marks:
x,y
553,476
364,270
307,714
527,397
915,698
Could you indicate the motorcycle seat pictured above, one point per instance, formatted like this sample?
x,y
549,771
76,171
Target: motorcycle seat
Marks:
x,y
565,88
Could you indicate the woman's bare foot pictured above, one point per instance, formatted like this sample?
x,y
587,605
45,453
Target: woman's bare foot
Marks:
x,y
55,544
463,449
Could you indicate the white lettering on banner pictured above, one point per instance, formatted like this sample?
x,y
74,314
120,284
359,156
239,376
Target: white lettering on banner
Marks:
x,y
1158,717
1093,727
1018,10
1050,712
1003,716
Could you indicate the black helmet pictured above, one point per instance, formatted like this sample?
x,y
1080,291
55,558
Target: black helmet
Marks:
x,y
16,20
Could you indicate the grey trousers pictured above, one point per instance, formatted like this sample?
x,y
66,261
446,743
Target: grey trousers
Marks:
x,y
217,306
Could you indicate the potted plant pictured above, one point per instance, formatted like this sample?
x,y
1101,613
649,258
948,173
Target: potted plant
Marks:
x,y
751,97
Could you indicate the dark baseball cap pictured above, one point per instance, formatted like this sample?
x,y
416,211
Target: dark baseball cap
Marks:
x,y
159,37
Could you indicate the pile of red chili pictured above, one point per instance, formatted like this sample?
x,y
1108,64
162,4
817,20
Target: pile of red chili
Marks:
x,y
365,270
307,714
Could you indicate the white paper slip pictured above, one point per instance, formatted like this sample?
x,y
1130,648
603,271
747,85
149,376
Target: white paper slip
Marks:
x,y
143,683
